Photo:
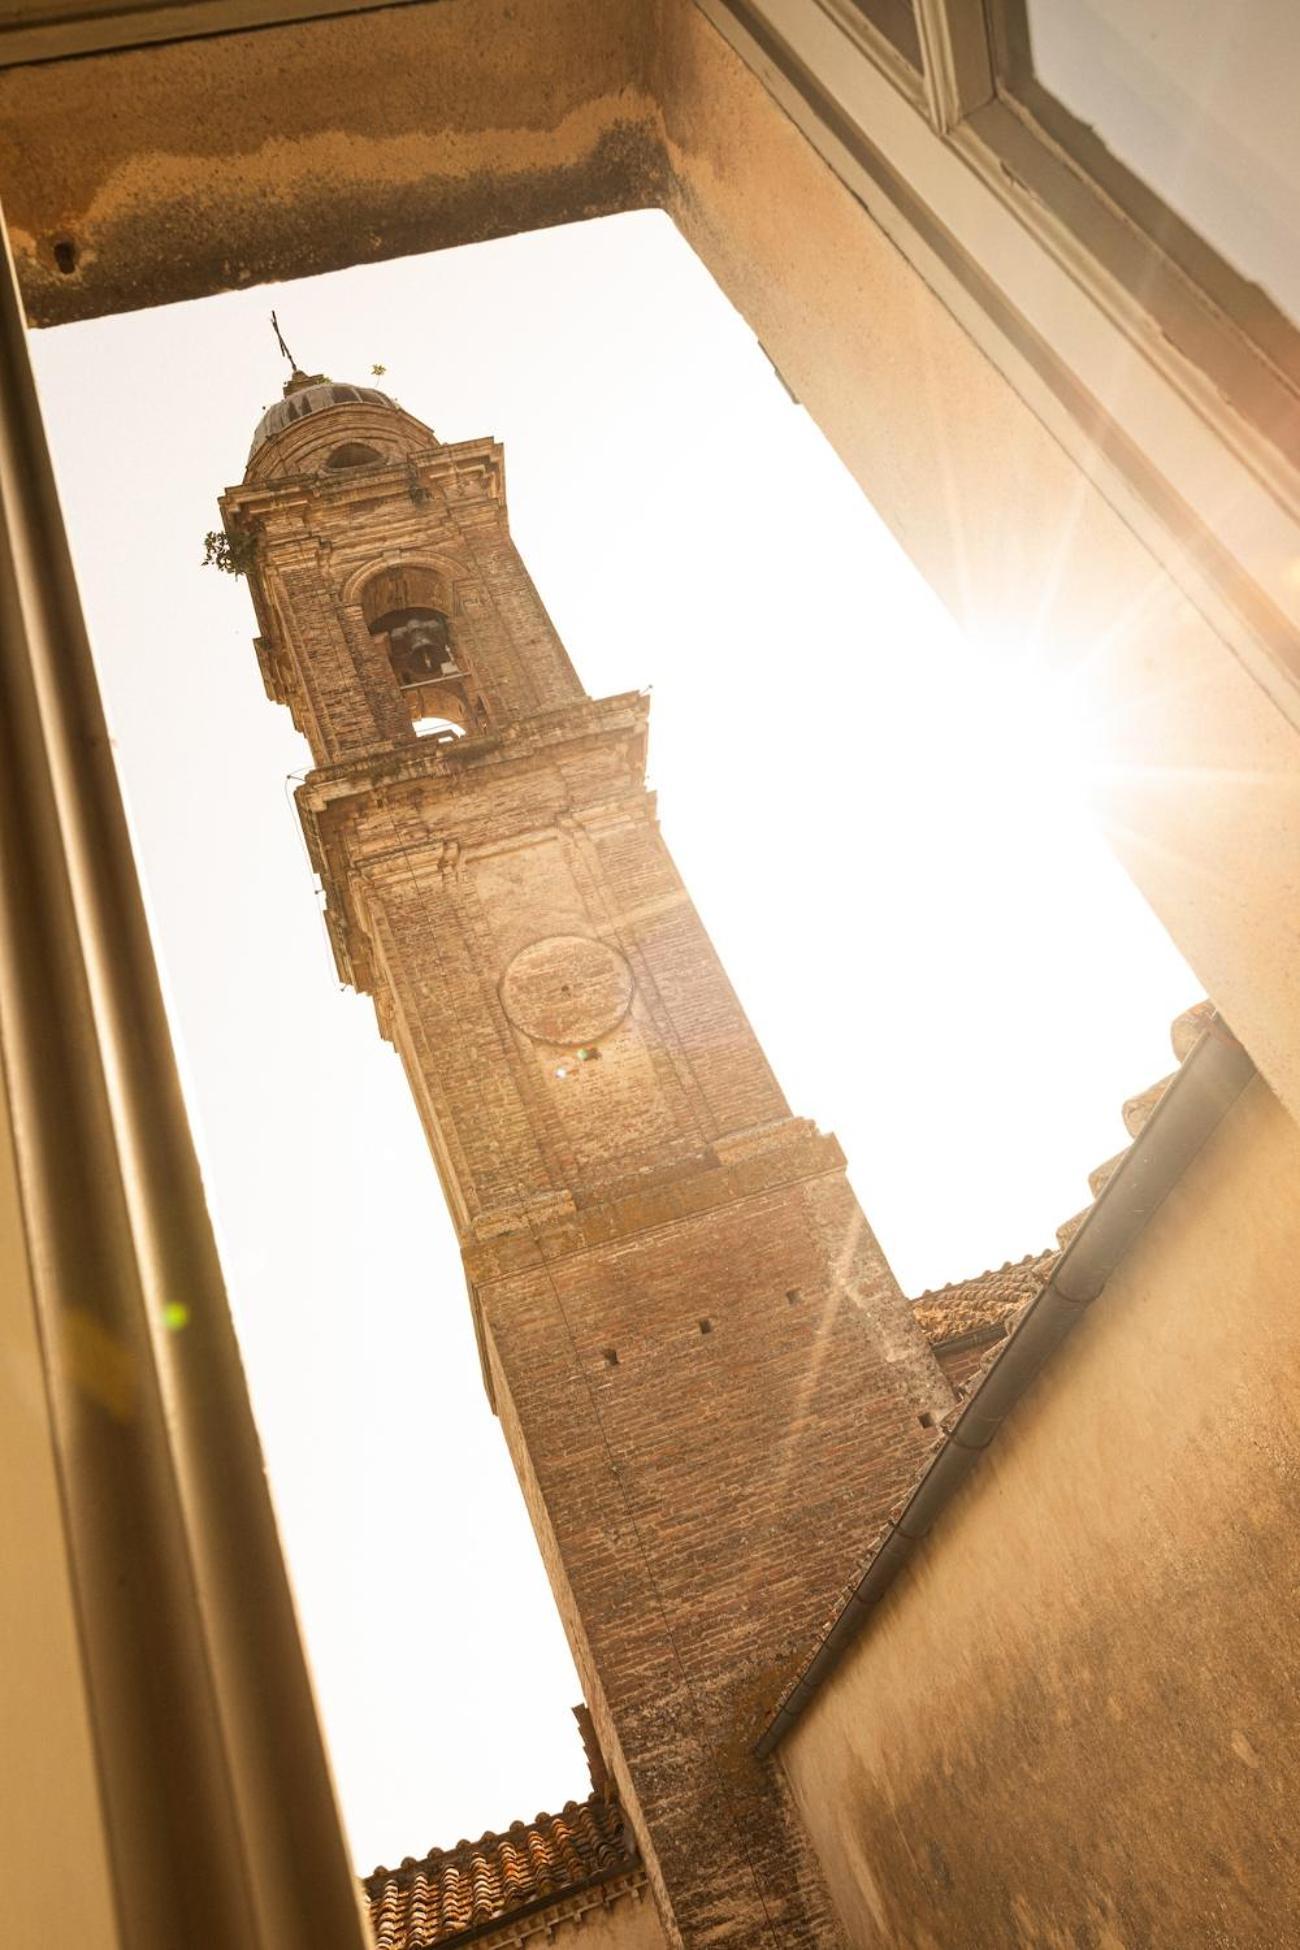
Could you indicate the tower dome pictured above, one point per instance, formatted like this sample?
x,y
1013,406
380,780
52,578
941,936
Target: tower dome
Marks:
x,y
312,393
320,427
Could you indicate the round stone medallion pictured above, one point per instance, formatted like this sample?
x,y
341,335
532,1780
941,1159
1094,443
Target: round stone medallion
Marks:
x,y
567,989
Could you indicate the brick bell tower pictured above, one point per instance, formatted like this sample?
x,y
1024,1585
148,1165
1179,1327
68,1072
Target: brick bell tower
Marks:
x,y
710,1385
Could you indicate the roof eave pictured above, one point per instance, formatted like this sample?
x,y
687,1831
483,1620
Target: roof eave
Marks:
x,y
1199,1096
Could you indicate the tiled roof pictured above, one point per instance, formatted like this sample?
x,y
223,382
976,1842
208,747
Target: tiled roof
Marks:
x,y
1183,1033
947,1312
455,1892
1187,1027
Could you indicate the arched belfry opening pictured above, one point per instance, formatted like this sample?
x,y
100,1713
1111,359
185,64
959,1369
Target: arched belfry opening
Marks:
x,y
407,609
443,731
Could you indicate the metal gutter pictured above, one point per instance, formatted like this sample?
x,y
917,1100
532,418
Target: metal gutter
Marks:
x,y
1215,1073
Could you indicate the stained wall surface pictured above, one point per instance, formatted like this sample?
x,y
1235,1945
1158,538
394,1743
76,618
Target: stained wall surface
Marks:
x,y
238,158
1074,1719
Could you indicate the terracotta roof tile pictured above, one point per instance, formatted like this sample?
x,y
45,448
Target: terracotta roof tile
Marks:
x,y
1186,1028
1183,1034
1101,1177
451,1892
947,1312
1138,1109
1066,1231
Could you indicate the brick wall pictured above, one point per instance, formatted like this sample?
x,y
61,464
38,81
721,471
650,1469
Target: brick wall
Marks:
x,y
960,1360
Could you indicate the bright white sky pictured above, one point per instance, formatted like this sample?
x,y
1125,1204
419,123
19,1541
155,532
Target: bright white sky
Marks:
x,y
942,960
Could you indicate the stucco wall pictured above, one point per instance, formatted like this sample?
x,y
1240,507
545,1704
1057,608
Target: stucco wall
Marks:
x,y
272,154
630,1924
626,1919
1073,1721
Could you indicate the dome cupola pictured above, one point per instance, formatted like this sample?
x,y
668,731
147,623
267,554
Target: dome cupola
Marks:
x,y
324,427
306,393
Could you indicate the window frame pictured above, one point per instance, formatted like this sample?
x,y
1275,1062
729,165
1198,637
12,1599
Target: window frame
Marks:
x,y
1055,285
1228,326
1216,337
859,21
852,19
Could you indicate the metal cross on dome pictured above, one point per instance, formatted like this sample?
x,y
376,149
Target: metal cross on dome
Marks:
x,y
279,339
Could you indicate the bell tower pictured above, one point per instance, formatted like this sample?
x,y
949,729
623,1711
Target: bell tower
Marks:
x,y
710,1385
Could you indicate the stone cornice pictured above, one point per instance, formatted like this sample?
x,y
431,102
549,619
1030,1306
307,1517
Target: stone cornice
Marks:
x,y
333,800
628,711
556,1920
436,467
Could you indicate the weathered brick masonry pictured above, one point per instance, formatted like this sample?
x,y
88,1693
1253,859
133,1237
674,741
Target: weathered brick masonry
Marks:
x,y
710,1384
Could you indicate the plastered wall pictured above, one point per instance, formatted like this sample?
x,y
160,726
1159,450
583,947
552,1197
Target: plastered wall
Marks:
x,y
629,1924
1073,1721
237,158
